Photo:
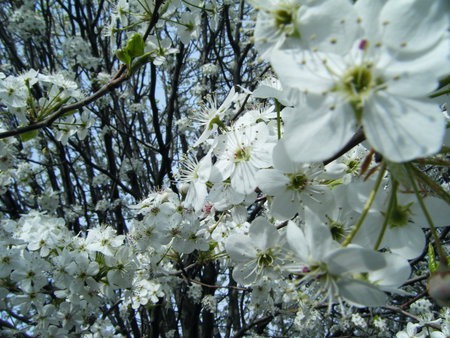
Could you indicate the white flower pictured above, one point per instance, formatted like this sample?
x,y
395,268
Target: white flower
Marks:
x,y
104,240
121,268
211,117
241,152
404,234
121,11
13,92
359,321
293,189
196,174
331,267
258,254
293,23
411,332
188,27
370,85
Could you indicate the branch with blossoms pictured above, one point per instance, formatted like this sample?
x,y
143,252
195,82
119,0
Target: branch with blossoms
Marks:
x,y
117,79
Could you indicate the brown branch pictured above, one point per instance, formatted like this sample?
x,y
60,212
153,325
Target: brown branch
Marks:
x,y
354,141
218,286
114,83
410,315
263,320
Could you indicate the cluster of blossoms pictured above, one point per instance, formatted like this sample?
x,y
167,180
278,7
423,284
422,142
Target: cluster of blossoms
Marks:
x,y
55,90
372,66
370,69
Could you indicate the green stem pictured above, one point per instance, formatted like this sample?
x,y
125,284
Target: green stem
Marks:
x,y
437,241
432,184
367,206
442,92
392,203
218,222
165,254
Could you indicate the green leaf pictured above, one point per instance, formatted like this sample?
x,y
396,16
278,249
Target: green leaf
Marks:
x,y
135,46
432,264
124,56
140,61
28,135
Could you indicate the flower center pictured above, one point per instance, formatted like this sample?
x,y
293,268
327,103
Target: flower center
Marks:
x,y
265,258
399,216
337,229
242,154
357,84
298,181
358,80
284,17
352,166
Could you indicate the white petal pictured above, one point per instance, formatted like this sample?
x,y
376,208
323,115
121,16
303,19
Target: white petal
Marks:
x,y
240,248
403,129
419,24
285,206
319,132
318,236
368,12
271,181
411,75
354,259
437,208
340,30
299,70
297,241
243,178
264,235
407,241
245,273
361,294
394,274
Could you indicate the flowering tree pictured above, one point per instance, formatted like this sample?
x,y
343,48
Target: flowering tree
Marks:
x,y
224,168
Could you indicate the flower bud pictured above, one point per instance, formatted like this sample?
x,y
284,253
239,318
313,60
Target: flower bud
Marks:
x,y
439,286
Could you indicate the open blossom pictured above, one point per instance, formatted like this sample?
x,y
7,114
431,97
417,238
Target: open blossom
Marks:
x,y
404,234
241,152
335,270
373,85
196,174
285,24
258,254
211,116
294,186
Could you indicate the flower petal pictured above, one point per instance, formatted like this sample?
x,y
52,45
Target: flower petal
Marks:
x,y
403,129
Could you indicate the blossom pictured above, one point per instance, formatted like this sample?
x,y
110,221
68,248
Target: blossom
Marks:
x,y
258,254
241,152
196,174
285,24
370,85
13,92
104,240
335,270
293,187
211,117
404,234
121,268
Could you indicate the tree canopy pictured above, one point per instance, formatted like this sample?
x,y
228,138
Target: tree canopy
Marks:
x,y
224,168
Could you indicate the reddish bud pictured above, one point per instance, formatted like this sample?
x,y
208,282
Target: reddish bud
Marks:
x,y
439,286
